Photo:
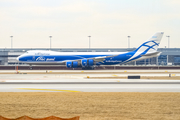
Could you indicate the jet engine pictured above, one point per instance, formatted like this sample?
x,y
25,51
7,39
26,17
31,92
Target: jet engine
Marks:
x,y
87,62
91,62
84,62
71,64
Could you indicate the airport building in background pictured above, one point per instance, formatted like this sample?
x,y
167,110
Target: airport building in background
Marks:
x,y
168,57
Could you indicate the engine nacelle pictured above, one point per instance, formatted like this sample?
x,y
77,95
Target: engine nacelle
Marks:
x,y
75,64
84,62
69,64
90,62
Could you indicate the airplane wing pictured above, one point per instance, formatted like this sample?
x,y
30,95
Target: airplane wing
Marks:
x,y
96,59
101,59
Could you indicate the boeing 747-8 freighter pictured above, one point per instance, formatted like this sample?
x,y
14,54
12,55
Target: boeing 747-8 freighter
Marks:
x,y
90,59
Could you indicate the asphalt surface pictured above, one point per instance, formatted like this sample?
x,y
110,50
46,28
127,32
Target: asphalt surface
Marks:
x,y
41,83
69,82
90,88
97,86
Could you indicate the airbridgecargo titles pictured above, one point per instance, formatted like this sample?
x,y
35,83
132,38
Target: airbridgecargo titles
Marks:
x,y
91,59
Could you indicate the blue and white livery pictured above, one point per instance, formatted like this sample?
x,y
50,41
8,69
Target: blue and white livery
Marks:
x,y
90,59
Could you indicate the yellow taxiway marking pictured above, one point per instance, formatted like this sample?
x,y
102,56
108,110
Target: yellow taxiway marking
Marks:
x,y
115,75
173,74
48,89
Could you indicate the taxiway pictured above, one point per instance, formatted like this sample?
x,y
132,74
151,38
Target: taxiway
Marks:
x,y
70,81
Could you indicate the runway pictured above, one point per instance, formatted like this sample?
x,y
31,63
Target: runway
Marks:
x,y
70,81
98,86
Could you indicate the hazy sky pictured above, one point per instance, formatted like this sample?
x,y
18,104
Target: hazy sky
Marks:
x,y
70,22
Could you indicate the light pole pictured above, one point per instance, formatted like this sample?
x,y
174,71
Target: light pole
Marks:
x,y
168,41
128,41
11,42
50,41
89,41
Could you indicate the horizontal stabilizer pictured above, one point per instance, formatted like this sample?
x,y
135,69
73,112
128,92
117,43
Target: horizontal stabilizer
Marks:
x,y
152,54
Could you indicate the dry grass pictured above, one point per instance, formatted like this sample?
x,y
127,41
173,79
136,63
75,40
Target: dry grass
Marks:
x,y
161,77
92,106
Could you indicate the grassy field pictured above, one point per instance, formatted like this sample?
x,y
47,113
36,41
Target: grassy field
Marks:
x,y
92,106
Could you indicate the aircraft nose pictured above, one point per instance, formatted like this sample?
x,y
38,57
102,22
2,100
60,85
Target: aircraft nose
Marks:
x,y
17,58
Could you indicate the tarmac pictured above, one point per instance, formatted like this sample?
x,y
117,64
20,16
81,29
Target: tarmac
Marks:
x,y
78,81
114,86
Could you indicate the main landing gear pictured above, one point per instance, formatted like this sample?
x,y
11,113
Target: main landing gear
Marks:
x,y
30,67
87,68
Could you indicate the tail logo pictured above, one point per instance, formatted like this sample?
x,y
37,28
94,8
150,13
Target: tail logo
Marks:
x,y
143,49
149,44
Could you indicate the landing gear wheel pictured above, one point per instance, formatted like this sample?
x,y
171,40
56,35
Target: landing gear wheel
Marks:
x,y
30,67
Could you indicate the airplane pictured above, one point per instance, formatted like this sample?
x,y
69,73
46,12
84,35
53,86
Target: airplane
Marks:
x,y
89,60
